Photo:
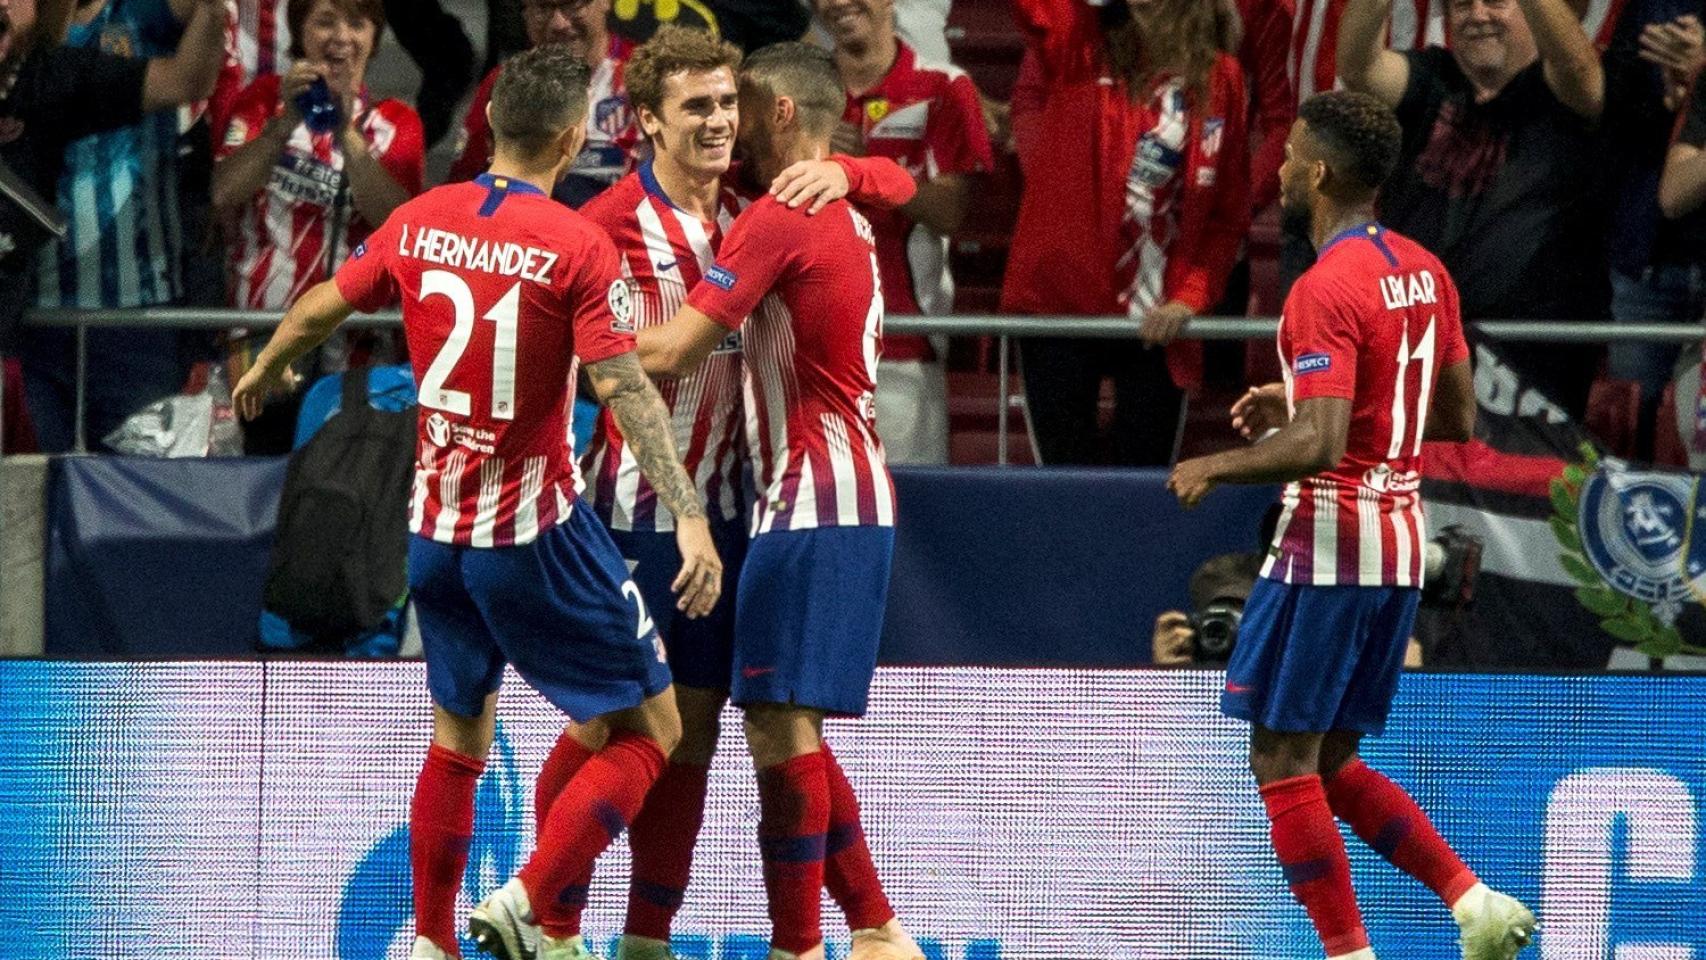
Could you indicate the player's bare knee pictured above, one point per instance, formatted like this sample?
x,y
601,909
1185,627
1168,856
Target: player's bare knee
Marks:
x,y
1280,756
470,736
777,733
1338,749
701,723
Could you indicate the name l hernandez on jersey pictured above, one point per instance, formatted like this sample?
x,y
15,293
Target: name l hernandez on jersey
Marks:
x,y
505,259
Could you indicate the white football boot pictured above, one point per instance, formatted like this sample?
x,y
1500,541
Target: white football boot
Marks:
x,y
425,949
887,942
1494,926
568,948
503,925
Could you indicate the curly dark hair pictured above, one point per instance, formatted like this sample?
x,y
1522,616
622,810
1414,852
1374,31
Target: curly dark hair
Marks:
x,y
1359,132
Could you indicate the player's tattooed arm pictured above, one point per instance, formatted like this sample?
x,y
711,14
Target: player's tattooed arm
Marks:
x,y
644,420
623,387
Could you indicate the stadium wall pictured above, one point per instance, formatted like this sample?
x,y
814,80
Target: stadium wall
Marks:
x,y
258,809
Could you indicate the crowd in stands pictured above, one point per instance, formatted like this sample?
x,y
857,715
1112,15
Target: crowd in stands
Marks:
x,y
1086,157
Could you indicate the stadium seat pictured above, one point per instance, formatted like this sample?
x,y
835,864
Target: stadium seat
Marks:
x,y
974,410
1668,447
1614,413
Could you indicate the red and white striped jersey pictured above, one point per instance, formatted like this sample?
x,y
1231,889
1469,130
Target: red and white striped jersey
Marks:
x,y
665,251
1415,25
303,223
1374,321
811,344
503,292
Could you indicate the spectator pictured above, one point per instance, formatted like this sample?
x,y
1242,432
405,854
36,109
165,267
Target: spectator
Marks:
x,y
610,131
927,118
1135,202
57,96
1501,170
300,200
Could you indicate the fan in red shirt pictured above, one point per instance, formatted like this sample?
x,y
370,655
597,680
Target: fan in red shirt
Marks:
x,y
582,25
926,116
504,293
1136,203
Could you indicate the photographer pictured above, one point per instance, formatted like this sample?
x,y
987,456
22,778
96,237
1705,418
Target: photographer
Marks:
x,y
1220,586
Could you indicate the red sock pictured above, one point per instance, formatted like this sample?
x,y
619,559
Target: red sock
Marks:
x,y
662,840
565,760
1387,819
848,870
597,805
441,824
794,799
1312,854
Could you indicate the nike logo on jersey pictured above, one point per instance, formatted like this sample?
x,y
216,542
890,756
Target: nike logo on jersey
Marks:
x,y
663,267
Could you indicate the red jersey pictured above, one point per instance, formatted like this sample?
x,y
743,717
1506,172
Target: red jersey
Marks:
x,y
664,252
611,133
1133,198
927,118
303,224
815,296
504,291
1374,321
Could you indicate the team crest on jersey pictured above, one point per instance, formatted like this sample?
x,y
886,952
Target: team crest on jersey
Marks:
x,y
1635,542
907,123
720,276
611,115
876,108
1312,363
621,303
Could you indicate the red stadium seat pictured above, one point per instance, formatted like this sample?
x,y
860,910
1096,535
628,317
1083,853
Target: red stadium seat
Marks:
x,y
1668,447
974,411
1614,413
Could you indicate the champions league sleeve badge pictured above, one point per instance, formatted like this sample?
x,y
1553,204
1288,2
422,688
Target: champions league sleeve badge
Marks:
x,y
1635,543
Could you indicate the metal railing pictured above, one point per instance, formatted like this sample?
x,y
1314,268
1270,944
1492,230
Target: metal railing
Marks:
x,y
1004,327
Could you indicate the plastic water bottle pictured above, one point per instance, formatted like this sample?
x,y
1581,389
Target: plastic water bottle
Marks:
x,y
319,108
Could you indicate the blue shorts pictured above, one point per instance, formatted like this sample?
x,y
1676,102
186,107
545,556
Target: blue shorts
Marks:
x,y
561,610
810,616
1317,659
700,651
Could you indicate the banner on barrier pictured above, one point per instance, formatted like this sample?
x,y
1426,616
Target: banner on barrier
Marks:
x,y
260,810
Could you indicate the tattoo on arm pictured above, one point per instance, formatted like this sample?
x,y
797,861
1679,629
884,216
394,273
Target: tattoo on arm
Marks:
x,y
645,423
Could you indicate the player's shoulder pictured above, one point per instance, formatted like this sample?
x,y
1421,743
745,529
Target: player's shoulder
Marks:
x,y
615,205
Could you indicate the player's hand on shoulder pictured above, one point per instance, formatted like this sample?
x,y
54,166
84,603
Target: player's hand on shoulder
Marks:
x,y
1192,479
700,581
1163,324
814,182
1259,410
1171,645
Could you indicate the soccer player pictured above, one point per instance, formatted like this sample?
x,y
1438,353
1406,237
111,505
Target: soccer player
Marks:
x,y
804,293
503,293
668,219
1371,345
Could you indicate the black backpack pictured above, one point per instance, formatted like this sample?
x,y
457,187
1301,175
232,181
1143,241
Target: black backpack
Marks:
x,y
340,560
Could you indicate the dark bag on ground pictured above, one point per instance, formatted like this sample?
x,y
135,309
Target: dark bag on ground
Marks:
x,y
340,560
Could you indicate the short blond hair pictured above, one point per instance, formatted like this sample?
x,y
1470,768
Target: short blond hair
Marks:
x,y
671,50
